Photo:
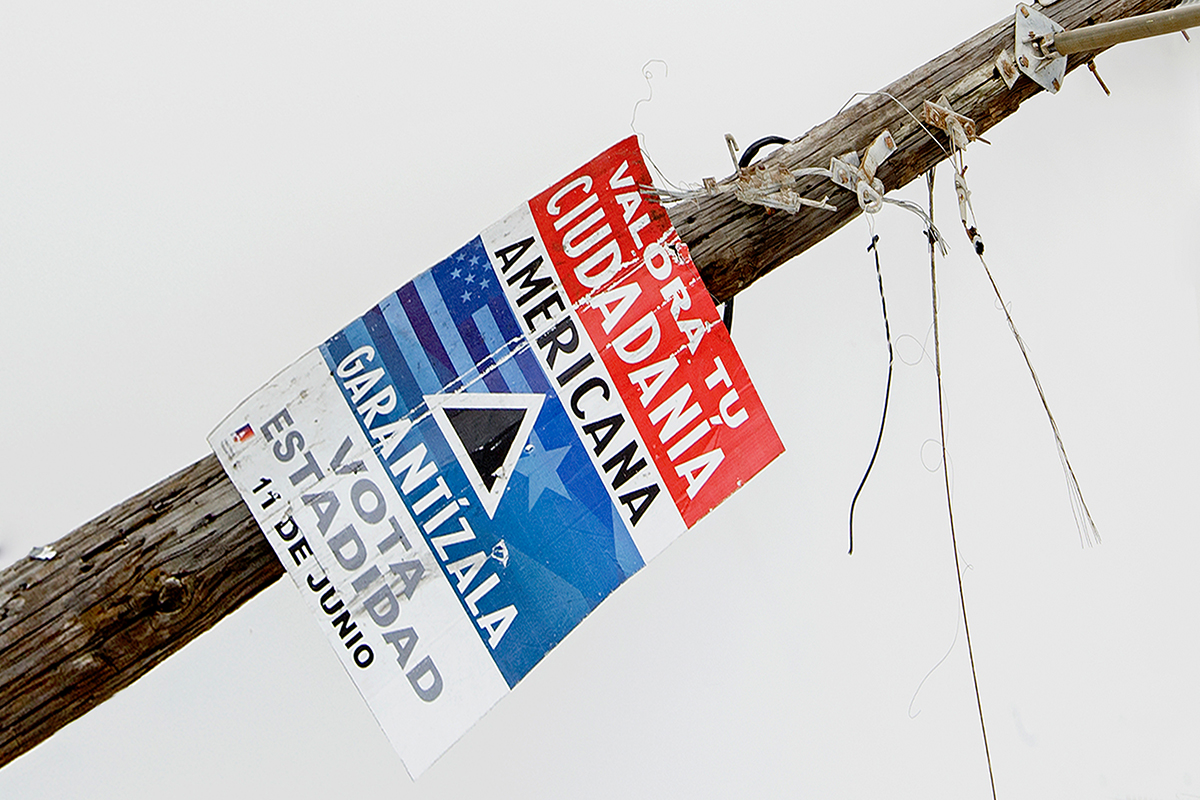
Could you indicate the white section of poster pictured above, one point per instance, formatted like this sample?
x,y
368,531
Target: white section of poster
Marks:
x,y
296,453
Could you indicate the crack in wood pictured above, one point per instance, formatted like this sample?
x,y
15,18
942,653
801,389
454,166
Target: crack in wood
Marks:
x,y
103,546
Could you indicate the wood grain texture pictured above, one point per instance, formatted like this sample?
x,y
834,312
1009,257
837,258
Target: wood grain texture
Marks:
x,y
124,591
137,583
734,244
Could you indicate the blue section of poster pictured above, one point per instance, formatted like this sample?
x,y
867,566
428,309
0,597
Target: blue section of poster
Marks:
x,y
555,544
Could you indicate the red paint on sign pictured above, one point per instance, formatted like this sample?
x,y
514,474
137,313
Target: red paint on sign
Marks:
x,y
641,300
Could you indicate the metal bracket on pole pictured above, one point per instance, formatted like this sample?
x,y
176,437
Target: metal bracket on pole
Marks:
x,y
1042,45
1006,65
858,176
960,129
1046,68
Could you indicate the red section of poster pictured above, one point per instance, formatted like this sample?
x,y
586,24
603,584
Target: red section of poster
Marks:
x,y
643,304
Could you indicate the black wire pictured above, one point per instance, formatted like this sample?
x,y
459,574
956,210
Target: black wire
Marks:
x,y
753,149
743,162
886,395
937,365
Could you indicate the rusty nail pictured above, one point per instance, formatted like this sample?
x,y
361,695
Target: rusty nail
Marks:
x,y
1055,84
1024,61
1025,11
1096,72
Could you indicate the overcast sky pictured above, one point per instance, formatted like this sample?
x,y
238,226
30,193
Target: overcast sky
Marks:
x,y
192,197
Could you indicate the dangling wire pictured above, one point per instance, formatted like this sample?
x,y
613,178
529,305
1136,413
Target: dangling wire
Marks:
x,y
937,362
873,247
1083,517
648,76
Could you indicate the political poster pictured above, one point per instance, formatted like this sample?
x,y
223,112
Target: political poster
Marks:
x,y
461,475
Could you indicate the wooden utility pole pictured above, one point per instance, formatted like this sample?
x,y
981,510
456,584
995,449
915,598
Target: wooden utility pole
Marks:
x,y
125,591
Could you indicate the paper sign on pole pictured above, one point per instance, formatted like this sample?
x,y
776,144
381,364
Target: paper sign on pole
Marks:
x,y
462,474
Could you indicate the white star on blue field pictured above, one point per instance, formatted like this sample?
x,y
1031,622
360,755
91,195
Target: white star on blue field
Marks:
x,y
540,466
474,274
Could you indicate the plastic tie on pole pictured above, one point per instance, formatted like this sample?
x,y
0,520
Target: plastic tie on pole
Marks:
x,y
768,183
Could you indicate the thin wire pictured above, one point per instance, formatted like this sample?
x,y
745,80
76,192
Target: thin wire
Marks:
x,y
648,75
1084,523
931,229
937,360
1083,517
933,669
886,394
892,97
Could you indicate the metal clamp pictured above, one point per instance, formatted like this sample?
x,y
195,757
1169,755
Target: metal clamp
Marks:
x,y
960,129
858,176
773,186
1033,52
768,184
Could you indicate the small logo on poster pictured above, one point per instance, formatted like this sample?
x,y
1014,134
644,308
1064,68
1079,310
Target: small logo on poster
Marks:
x,y
243,433
487,433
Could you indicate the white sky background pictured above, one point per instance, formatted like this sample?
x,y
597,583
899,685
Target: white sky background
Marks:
x,y
192,197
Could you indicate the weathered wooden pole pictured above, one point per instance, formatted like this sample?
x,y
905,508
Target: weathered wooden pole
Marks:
x,y
735,244
128,589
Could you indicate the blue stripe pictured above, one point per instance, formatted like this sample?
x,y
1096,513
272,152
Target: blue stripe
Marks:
x,y
428,338
393,358
500,349
409,344
531,368
448,333
482,357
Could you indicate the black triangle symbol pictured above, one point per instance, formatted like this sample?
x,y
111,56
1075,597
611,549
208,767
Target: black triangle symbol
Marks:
x,y
487,435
